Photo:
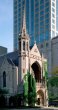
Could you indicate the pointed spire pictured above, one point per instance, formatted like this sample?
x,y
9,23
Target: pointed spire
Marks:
x,y
23,29
24,21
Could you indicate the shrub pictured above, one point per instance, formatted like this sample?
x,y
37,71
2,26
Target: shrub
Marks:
x,y
2,101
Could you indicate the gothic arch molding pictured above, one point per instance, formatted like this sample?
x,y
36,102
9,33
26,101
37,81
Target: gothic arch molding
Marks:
x,y
40,96
37,71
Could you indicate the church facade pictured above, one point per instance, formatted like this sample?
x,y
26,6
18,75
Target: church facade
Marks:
x,y
31,60
14,66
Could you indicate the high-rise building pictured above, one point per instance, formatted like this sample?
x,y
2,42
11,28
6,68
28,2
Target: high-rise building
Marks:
x,y
3,50
40,20
57,15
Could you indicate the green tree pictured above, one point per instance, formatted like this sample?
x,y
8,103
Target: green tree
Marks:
x,y
31,90
53,81
25,92
3,91
3,100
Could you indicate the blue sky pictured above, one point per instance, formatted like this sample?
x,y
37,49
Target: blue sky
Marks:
x,y
6,24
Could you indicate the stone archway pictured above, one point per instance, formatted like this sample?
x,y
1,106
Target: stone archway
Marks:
x,y
40,97
37,71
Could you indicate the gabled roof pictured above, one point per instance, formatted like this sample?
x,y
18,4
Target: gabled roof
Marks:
x,y
12,58
10,61
35,50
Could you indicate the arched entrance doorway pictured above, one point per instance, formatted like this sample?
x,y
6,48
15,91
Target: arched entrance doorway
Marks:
x,y
40,97
37,71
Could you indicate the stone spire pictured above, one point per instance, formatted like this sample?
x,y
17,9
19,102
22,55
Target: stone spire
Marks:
x,y
24,21
24,32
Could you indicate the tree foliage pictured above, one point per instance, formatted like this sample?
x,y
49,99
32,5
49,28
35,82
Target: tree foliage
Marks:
x,y
3,91
53,81
29,89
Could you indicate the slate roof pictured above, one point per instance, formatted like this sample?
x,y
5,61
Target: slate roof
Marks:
x,y
10,61
1,60
11,57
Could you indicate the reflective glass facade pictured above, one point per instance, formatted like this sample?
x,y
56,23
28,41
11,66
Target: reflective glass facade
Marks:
x,y
57,15
40,19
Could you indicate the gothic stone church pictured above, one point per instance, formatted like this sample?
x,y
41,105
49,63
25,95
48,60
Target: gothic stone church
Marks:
x,y
14,65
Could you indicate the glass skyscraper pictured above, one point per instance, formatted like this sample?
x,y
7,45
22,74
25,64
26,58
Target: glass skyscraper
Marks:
x,y
57,15
40,20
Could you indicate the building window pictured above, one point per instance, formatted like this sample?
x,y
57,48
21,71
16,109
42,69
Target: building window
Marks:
x,y
41,45
53,21
19,46
4,79
53,15
53,26
53,9
46,44
53,4
27,46
23,45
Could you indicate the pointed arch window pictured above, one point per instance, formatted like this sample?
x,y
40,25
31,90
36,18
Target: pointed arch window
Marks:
x,y
4,79
23,45
19,46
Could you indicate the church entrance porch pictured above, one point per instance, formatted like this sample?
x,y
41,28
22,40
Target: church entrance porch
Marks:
x,y
40,97
40,88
